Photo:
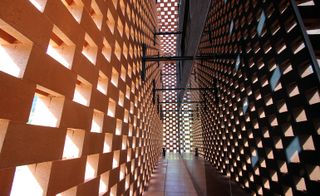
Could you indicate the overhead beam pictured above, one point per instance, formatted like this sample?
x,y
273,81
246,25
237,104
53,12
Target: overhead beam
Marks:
x,y
178,89
168,33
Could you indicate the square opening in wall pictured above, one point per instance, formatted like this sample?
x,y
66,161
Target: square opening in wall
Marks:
x,y
117,51
96,14
123,73
120,27
110,21
90,49
73,143
71,191
125,142
121,99
126,116
111,108
261,23
115,77
39,4
82,93
107,145
123,171
15,50
61,48
128,92
3,130
31,179
91,167
113,190
106,50
46,108
75,7
116,159
125,50
97,121
119,127
103,82
104,183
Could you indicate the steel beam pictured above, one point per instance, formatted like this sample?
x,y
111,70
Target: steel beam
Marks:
x,y
188,89
168,33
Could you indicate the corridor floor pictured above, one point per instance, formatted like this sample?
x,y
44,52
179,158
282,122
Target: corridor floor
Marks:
x,y
187,175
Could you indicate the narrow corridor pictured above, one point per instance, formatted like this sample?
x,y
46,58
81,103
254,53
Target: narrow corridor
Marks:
x,y
187,175
171,177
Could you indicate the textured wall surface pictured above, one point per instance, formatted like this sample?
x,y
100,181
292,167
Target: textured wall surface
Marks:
x,y
75,116
260,122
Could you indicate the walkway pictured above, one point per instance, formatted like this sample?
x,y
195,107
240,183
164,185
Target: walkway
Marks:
x,y
186,175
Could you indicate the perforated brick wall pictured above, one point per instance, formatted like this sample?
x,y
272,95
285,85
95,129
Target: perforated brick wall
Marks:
x,y
260,125
75,117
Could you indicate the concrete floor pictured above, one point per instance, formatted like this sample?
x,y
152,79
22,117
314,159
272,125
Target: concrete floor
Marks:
x,y
186,175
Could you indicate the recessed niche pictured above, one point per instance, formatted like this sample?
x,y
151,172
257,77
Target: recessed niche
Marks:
x,y
314,173
116,159
122,7
127,184
107,145
96,14
15,50
126,116
31,179
275,78
113,190
97,121
91,167
103,82
3,130
106,50
46,108
75,7
313,96
293,150
293,90
121,99
117,50
69,192
125,50
104,183
123,171
110,21
299,115
129,155
90,49
73,143
128,92
39,4
129,71
245,105
231,28
127,32
61,48
118,127
261,23
120,26
125,142
115,77
82,93
301,185
123,73
111,108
